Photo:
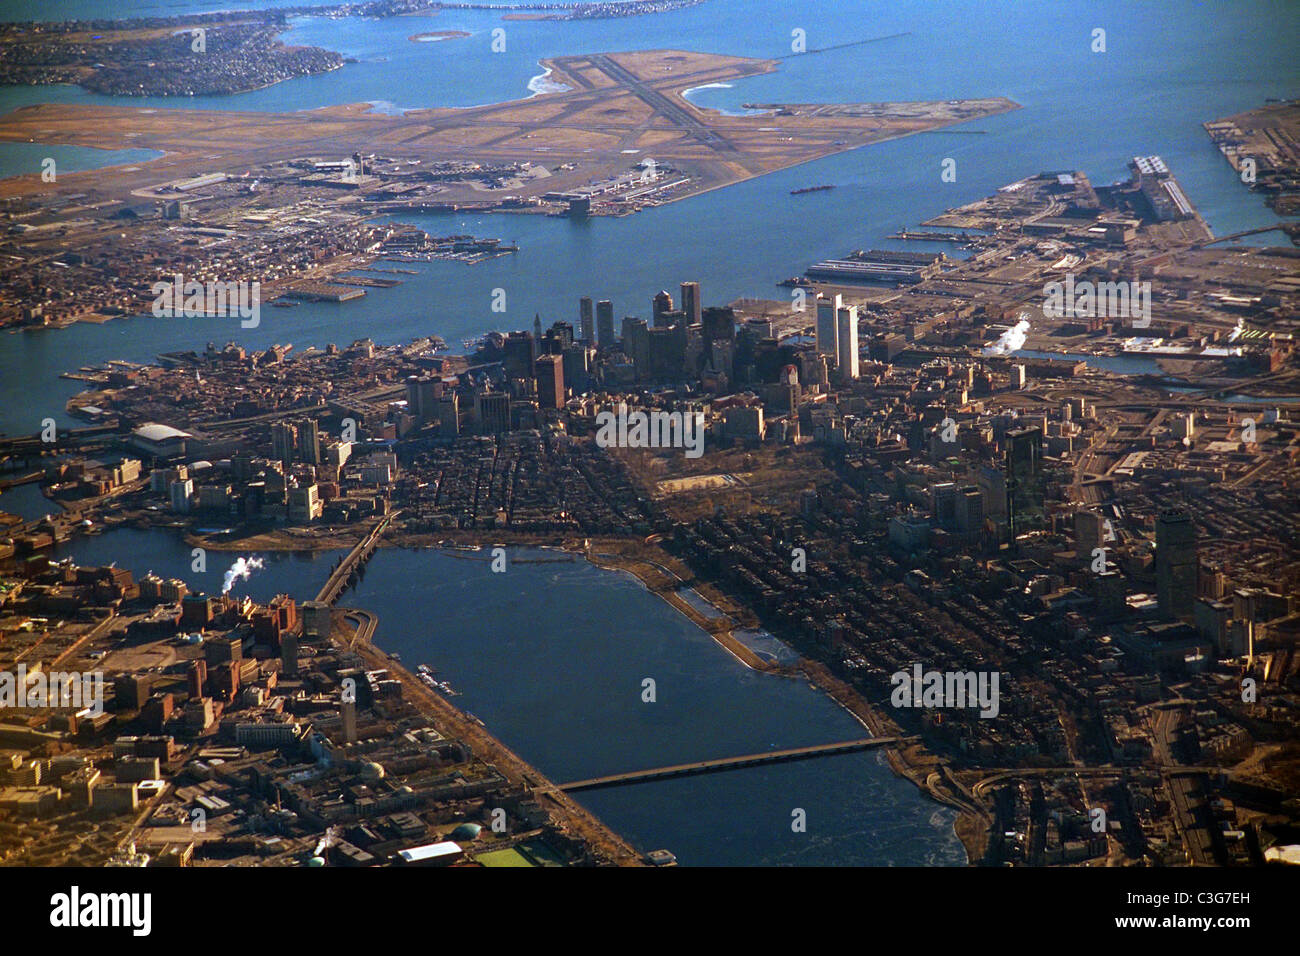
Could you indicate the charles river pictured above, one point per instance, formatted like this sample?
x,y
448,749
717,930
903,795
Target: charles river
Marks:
x,y
551,655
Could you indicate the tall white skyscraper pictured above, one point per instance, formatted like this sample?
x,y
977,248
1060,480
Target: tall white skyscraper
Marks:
x,y
828,340
848,342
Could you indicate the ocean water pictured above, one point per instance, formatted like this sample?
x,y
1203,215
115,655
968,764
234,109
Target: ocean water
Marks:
x,y
1168,68
27,502
18,159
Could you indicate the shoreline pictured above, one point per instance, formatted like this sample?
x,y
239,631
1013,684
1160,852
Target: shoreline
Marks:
x,y
567,814
926,771
904,763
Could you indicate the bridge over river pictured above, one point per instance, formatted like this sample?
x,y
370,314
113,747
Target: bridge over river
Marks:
x,y
734,763
339,578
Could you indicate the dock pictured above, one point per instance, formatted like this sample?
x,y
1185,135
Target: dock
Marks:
x,y
323,292
933,236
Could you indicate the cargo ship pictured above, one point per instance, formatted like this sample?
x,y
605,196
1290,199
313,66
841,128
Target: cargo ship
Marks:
x,y
809,189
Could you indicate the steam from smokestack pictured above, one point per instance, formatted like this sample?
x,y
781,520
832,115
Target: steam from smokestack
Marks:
x,y
241,570
1012,340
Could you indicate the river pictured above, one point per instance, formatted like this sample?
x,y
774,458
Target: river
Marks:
x,y
552,657
552,654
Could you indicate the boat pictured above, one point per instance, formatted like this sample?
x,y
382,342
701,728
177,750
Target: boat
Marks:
x,y
810,189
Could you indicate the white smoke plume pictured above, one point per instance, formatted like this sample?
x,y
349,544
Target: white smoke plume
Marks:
x,y
241,570
1012,340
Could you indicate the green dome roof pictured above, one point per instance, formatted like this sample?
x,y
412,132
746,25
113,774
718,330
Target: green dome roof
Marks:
x,y
466,831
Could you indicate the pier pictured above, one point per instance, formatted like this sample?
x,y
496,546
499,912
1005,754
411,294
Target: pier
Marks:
x,y
734,763
907,236
27,479
1232,237
66,439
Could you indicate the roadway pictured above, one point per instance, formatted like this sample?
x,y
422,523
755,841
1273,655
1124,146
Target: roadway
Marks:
x,y
678,115
364,624
733,763
338,579
1167,723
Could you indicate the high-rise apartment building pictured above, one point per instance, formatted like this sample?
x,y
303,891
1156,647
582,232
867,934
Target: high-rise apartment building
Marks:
x,y
309,441
283,439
